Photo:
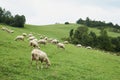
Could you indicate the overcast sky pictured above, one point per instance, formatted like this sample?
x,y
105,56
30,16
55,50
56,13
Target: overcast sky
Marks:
x,y
41,12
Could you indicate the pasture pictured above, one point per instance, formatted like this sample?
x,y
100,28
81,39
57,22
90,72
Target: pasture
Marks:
x,y
73,63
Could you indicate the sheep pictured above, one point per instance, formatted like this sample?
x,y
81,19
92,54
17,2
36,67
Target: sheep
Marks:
x,y
4,28
79,45
49,40
65,42
31,38
34,43
39,55
41,37
61,45
46,38
54,41
88,47
42,41
9,31
24,34
19,38
30,35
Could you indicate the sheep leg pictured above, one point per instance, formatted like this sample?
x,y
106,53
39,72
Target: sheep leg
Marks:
x,y
41,66
37,64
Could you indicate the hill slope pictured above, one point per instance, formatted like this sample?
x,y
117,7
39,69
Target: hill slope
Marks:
x,y
70,64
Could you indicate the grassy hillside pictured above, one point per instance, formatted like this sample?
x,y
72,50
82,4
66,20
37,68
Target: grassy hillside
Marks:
x,y
70,64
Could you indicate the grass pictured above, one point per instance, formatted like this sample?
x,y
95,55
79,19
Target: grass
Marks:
x,y
70,64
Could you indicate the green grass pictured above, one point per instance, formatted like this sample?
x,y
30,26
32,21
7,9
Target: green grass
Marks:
x,y
70,64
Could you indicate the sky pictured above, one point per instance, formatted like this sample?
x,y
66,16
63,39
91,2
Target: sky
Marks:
x,y
43,12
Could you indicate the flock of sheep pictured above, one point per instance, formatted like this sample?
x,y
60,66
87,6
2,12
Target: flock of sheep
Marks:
x,y
37,54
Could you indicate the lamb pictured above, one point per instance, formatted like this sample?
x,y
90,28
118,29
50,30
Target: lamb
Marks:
x,y
61,45
42,41
34,43
39,55
19,38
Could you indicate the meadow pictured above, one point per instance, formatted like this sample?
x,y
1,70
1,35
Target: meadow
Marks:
x,y
73,63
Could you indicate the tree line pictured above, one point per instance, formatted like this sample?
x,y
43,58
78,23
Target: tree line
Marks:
x,y
98,24
85,38
7,18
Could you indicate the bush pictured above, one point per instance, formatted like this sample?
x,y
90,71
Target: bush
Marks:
x,y
67,23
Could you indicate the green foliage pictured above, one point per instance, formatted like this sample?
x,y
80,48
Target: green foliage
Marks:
x,y
19,21
7,18
71,33
103,41
98,24
67,23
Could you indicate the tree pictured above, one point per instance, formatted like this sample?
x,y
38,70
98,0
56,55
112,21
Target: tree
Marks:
x,y
19,21
7,18
87,21
71,33
80,21
67,23
104,41
1,14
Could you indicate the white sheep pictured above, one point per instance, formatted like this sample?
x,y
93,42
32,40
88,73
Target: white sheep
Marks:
x,y
42,41
54,41
49,40
79,45
61,45
46,38
24,34
34,44
39,55
19,38
31,38
30,35
65,42
4,28
88,47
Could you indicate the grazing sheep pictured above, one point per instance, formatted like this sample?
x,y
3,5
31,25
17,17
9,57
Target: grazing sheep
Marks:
x,y
54,41
4,28
31,38
42,41
65,42
39,55
24,34
79,45
88,47
45,38
49,40
34,44
41,37
30,35
61,45
19,38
